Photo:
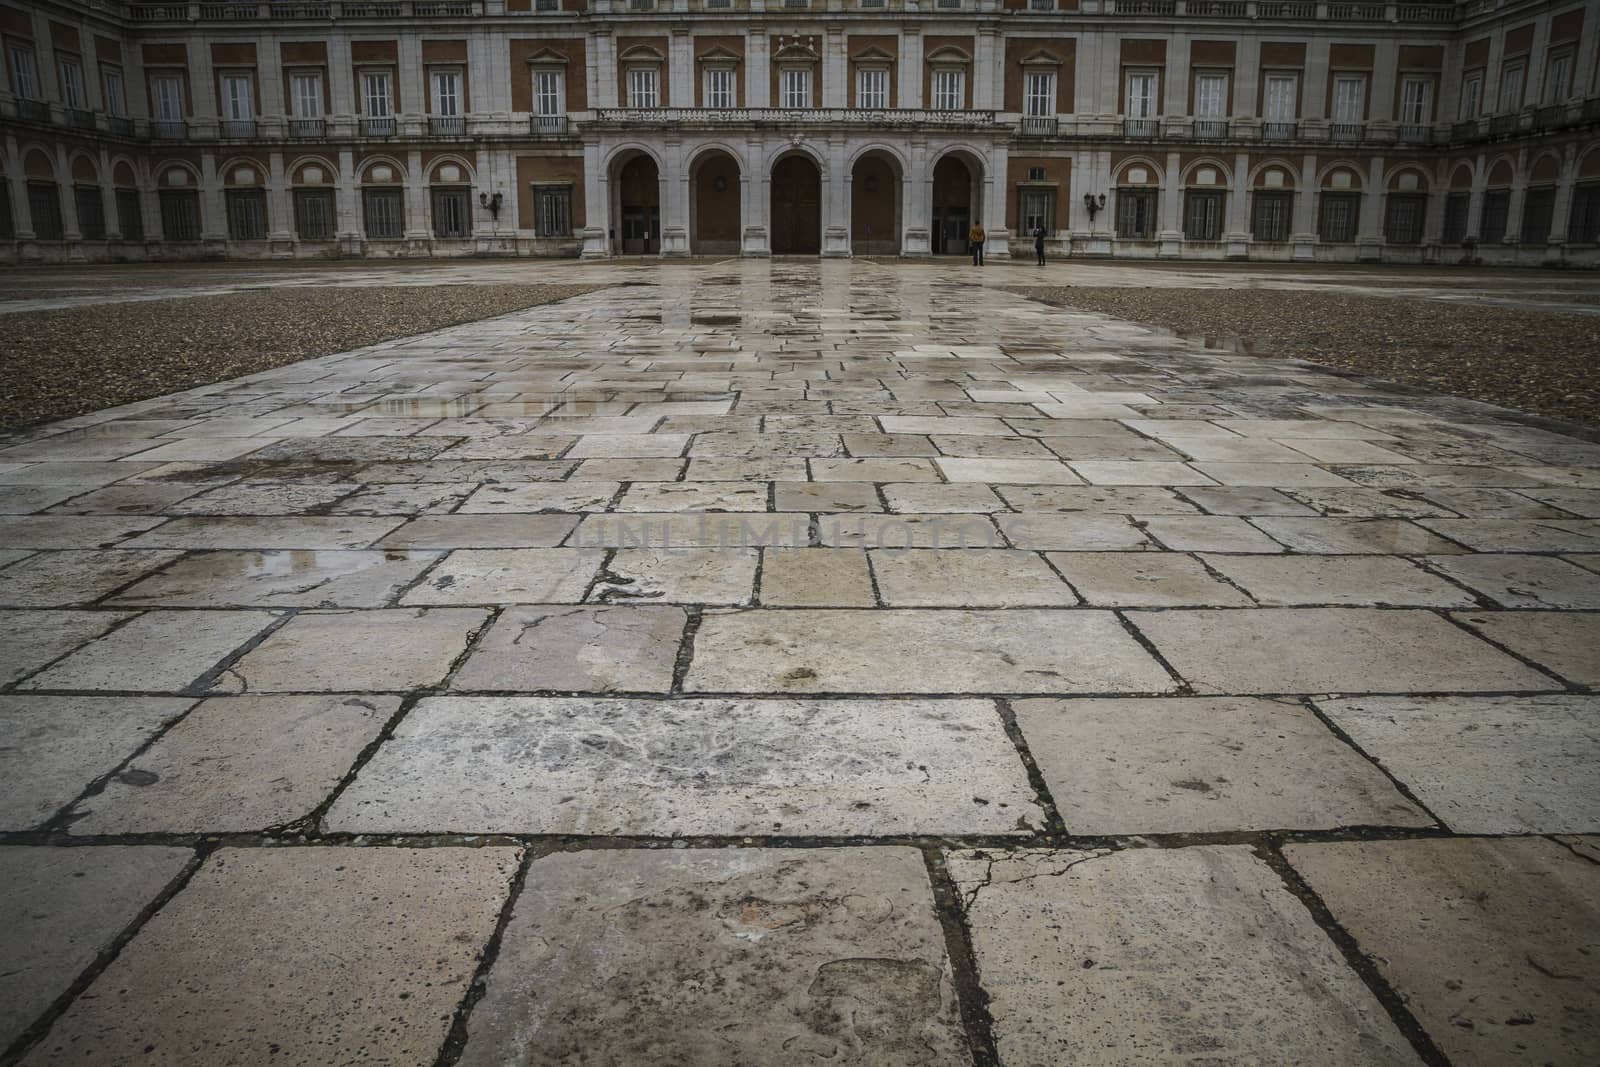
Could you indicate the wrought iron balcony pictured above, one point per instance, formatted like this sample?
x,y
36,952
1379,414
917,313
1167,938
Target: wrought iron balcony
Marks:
x,y
1347,131
239,128
1140,129
169,129
1501,125
1040,126
787,118
378,127
1210,129
33,110
118,125
447,125
1414,134
548,125
81,118
1279,131
307,129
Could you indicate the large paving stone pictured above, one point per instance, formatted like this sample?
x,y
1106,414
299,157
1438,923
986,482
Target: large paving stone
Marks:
x,y
1145,579
160,651
308,578
679,576
685,767
1329,650
1024,650
1198,765
242,966
734,957
967,578
238,764
626,648
1566,642
1394,537
50,579
509,576
1493,943
815,577
1279,581
1516,581
355,651
1487,765
250,532
1161,956
62,907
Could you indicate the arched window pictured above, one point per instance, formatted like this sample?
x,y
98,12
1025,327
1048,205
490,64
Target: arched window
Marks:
x,y
383,214
180,205
1272,205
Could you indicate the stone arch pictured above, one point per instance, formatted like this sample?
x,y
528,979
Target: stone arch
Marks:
x,y
623,152
1191,173
85,171
1342,175
716,201
124,173
1502,172
1261,175
634,180
242,174
37,165
312,171
790,148
439,172
877,179
381,170
1589,163
795,180
1546,170
956,175
1125,172
1408,178
1461,178
177,174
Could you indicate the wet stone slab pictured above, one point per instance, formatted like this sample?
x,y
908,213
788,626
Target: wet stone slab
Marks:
x,y
160,651
1147,955
620,648
288,531
1145,579
225,973
386,650
509,576
749,957
1564,642
1492,943
51,579
967,578
281,578
1288,581
31,639
685,767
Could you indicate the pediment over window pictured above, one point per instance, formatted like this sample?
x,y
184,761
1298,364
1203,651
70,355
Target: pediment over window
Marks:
x,y
873,54
1040,58
719,55
548,57
642,53
949,56
796,52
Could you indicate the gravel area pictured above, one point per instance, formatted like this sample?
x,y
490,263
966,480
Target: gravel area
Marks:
x,y
68,362
1538,361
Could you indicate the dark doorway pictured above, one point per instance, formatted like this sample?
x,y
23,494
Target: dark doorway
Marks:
x,y
715,228
639,201
796,207
952,206
874,207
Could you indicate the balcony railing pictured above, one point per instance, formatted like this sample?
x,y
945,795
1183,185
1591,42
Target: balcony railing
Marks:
x,y
33,110
1141,7
788,118
118,125
1210,129
447,125
300,10
378,127
1279,131
1139,129
1347,131
1286,9
307,129
1226,9
548,125
1040,126
1411,134
80,118
239,128
1356,12
1501,125
169,129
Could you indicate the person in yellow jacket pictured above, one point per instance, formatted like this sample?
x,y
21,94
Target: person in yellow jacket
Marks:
x,y
975,238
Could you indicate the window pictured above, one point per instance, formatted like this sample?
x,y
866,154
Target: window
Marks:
x,y
872,88
180,214
1202,215
305,94
452,216
111,87
71,71
1583,225
547,92
130,215
949,90
1341,213
1510,88
796,87
1039,99
1471,95
1210,96
1038,211
238,102
643,83
1349,99
1457,208
447,93
1416,101
1538,213
8,228
313,214
1558,76
247,214
377,97
720,90
1141,95
91,208
382,213
1271,215
552,210
44,204
1496,215
1136,213
1402,223
1280,104
167,89
24,75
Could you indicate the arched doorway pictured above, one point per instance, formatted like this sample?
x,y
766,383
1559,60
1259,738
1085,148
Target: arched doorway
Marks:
x,y
638,185
955,204
875,206
715,221
796,207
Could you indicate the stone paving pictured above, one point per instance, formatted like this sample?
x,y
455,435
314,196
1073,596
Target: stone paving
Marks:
x,y
794,662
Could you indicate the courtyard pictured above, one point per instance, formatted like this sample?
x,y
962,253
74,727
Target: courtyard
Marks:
x,y
796,661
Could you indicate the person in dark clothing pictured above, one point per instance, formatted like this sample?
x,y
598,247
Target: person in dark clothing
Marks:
x,y
975,238
1038,244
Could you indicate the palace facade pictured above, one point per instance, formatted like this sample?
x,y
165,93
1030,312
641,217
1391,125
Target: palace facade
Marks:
x,y
1306,130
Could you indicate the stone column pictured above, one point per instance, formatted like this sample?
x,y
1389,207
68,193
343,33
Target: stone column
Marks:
x,y
674,179
213,205
269,75
1380,108
1561,217
1170,235
1475,205
416,197
1246,73
914,211
21,215
202,86
1369,234
910,68
1304,235
412,85
836,200
988,71
758,70
108,197
680,68
758,226
280,206
596,205
1237,232
834,68
996,191
347,204
1519,193
341,79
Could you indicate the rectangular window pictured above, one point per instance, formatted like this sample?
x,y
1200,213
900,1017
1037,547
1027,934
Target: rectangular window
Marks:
x,y
552,210
180,214
1558,76
71,71
1210,96
1038,211
1471,95
872,88
949,90
24,75
1510,88
1457,208
721,89
1141,95
313,214
1583,226
643,83
796,83
547,92
91,208
44,204
446,93
383,213
1538,212
1136,213
247,214
130,215
1280,103
377,96
111,87
1341,213
1349,99
1202,216
1416,101
1496,216
1271,216
305,94
452,215
1039,100
1403,218
167,89
238,100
